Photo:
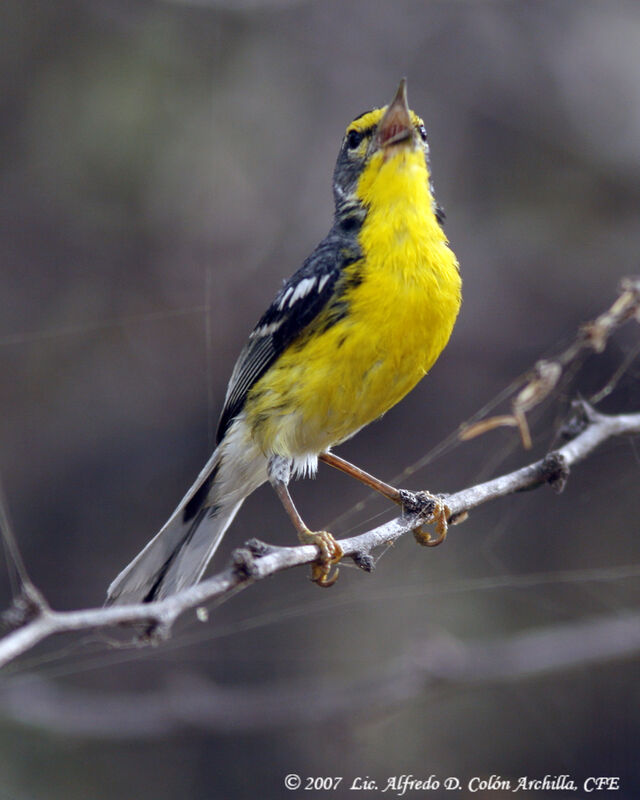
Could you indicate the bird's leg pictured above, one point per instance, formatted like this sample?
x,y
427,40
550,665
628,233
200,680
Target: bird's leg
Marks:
x,y
385,489
423,503
330,552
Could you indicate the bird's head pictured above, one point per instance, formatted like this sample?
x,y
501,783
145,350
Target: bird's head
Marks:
x,y
377,144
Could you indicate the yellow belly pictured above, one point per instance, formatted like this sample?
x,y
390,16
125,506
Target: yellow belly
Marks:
x,y
327,386
320,394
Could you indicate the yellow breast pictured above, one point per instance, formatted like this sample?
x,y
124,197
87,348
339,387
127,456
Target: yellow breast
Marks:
x,y
400,316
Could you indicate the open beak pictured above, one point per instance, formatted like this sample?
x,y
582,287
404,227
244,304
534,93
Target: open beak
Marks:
x,y
395,127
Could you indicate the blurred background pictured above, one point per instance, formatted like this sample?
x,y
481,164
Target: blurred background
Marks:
x,y
165,165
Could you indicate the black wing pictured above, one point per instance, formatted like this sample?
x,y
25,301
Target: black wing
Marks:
x,y
299,301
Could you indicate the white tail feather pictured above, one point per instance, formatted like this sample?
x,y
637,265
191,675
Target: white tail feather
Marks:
x,y
179,553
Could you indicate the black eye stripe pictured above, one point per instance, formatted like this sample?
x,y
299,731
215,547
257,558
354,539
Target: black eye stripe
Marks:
x,y
353,139
355,136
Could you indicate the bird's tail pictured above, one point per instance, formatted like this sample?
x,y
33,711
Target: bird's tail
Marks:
x,y
179,553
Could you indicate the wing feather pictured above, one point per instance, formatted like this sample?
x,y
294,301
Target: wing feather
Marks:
x,y
293,309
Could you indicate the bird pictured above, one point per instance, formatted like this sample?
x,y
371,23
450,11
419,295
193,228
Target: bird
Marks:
x,y
346,337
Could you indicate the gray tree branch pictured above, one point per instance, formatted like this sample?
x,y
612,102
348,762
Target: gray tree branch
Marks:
x,y
35,621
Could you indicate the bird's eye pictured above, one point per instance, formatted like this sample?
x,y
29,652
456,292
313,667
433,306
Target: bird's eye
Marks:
x,y
353,139
423,132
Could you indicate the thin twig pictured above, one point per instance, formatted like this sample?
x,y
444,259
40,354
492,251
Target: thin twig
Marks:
x,y
544,377
28,602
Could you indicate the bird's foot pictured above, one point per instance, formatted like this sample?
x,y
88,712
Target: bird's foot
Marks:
x,y
329,554
433,510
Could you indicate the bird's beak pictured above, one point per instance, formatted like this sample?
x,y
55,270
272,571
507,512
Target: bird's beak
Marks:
x,y
395,127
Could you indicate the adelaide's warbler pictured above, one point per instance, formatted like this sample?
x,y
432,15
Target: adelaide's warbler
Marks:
x,y
346,337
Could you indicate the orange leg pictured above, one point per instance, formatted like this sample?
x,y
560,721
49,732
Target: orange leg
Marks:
x,y
385,489
413,502
330,551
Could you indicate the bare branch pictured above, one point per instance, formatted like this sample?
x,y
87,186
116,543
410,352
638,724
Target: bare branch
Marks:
x,y
544,376
257,561
440,661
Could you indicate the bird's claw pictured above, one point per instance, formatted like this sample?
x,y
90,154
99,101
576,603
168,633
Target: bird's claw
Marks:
x,y
434,509
329,554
